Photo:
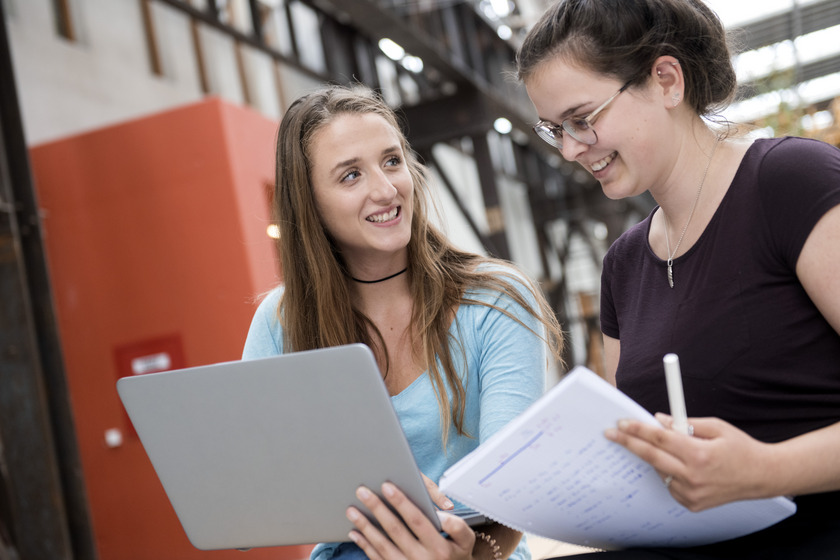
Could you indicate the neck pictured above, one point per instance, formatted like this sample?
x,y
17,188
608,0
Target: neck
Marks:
x,y
677,193
672,254
380,279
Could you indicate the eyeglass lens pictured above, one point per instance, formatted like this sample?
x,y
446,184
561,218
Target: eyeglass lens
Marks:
x,y
578,129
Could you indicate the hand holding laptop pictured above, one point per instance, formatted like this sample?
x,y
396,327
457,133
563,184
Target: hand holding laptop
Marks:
x,y
440,499
220,441
458,542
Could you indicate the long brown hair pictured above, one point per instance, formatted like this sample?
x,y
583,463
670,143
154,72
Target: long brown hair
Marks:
x,y
316,309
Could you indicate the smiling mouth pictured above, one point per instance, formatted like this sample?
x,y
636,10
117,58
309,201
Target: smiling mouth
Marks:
x,y
600,164
384,217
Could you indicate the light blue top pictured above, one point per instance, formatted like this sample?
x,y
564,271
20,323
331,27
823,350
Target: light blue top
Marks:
x,y
505,372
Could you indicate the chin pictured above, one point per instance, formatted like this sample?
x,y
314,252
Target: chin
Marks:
x,y
612,193
615,190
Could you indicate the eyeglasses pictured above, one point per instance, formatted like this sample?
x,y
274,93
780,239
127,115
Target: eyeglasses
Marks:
x,y
578,128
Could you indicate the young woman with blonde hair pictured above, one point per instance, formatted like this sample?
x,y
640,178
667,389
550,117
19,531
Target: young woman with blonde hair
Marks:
x,y
463,341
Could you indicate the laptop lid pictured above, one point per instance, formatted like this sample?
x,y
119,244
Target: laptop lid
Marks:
x,y
270,452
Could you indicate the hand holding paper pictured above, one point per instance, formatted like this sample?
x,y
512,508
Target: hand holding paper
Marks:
x,y
552,473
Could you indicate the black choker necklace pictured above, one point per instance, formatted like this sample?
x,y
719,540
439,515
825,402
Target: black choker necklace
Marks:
x,y
381,279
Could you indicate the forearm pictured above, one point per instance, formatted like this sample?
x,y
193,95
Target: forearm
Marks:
x,y
506,539
806,464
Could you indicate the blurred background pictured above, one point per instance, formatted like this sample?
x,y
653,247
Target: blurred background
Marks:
x,y
136,167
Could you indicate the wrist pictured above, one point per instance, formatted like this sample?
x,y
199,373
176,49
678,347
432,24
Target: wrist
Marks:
x,y
785,470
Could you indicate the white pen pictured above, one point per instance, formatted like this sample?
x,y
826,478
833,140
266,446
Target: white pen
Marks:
x,y
673,379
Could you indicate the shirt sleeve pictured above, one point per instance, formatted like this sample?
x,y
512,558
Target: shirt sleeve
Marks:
x,y
800,182
608,319
265,336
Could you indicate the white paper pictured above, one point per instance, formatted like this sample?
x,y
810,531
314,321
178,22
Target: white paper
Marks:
x,y
551,472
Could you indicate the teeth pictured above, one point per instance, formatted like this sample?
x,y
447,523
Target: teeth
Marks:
x,y
387,216
599,165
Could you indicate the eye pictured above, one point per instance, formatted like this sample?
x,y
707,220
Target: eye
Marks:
x,y
350,176
579,123
393,161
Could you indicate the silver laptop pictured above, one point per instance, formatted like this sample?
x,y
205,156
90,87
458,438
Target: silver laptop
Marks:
x,y
270,452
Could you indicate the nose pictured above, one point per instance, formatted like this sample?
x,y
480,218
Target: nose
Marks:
x,y
572,148
381,187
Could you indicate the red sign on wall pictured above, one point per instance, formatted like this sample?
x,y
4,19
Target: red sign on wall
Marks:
x,y
150,356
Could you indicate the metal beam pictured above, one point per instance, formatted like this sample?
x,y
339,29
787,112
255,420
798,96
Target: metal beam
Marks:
x,y
464,113
803,19
497,233
211,19
376,22
450,64
44,502
430,160
783,80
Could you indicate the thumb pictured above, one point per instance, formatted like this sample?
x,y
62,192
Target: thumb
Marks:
x,y
458,530
438,497
665,419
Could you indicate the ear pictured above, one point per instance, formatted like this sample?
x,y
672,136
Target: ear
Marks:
x,y
668,77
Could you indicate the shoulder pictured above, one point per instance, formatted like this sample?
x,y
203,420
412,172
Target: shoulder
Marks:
x,y
795,145
791,172
792,182
630,242
509,277
501,292
793,156
265,335
635,235
269,302
504,269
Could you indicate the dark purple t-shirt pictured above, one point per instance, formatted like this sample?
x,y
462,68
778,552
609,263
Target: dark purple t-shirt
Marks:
x,y
753,348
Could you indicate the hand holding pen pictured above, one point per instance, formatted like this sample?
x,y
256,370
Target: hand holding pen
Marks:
x,y
716,466
676,398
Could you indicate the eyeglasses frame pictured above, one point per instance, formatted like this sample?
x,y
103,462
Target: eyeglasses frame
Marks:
x,y
589,119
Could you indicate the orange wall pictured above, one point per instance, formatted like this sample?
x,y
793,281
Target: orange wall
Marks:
x,y
156,243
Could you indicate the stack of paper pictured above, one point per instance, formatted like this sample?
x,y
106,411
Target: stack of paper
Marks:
x,y
551,472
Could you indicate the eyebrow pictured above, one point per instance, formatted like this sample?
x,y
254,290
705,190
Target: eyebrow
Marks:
x,y
345,163
564,115
572,111
352,161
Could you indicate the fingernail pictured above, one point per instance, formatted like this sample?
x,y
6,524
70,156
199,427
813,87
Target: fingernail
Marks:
x,y
363,493
448,505
353,537
611,433
623,424
352,514
388,489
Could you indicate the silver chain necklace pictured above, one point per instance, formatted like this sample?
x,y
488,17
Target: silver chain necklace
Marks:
x,y
690,215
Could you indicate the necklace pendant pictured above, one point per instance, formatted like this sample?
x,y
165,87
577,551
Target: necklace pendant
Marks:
x,y
670,275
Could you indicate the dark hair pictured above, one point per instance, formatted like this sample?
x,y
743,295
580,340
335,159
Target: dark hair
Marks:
x,y
623,38
316,309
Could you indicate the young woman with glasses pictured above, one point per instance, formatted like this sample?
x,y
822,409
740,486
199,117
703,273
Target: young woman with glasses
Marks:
x,y
463,341
737,270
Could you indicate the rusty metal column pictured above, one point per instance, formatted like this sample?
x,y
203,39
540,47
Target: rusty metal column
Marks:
x,y
43,508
